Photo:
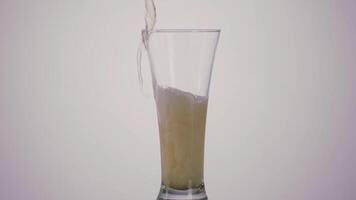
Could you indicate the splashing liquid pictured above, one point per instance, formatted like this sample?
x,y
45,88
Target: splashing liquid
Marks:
x,y
150,20
181,119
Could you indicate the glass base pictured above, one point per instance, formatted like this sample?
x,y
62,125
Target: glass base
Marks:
x,y
167,193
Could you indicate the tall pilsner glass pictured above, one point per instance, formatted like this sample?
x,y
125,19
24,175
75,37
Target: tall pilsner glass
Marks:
x,y
181,65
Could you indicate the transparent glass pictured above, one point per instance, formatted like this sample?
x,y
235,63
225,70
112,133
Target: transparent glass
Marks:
x,y
181,66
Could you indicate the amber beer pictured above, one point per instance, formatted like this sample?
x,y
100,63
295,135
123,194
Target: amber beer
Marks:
x,y
181,118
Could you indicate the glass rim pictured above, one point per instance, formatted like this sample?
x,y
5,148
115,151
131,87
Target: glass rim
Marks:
x,y
184,30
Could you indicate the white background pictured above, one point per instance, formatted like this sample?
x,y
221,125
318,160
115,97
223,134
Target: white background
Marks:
x,y
282,112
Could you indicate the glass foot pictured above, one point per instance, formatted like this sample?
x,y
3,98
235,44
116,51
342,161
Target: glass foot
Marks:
x,y
167,193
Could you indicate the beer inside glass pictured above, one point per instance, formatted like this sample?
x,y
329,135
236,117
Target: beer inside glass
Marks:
x,y
181,65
